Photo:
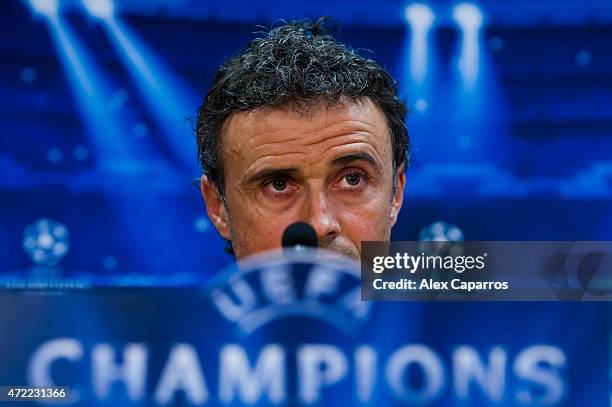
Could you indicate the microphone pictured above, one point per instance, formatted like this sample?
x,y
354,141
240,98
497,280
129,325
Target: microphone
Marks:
x,y
299,236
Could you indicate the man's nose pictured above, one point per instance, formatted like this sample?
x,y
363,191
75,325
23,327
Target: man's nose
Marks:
x,y
320,212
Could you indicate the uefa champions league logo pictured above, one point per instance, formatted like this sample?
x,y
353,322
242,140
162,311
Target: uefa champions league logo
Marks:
x,y
46,242
311,283
441,232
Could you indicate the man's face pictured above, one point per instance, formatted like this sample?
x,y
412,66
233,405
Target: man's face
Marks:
x,y
331,168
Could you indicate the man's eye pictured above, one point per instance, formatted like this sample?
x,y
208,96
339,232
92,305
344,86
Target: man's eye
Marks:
x,y
277,187
354,179
279,184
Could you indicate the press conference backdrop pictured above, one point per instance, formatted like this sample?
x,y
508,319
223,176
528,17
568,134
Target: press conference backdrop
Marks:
x,y
510,122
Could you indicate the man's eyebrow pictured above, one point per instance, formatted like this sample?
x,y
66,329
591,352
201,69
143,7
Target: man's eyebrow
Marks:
x,y
361,156
271,173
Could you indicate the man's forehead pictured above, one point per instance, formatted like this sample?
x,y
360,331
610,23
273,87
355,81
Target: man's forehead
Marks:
x,y
275,127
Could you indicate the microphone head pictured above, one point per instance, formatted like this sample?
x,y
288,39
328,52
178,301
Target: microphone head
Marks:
x,y
300,234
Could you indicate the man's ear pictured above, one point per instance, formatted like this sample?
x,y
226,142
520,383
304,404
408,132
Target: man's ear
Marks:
x,y
398,198
216,209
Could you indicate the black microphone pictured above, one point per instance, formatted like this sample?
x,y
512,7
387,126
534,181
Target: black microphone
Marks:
x,y
299,235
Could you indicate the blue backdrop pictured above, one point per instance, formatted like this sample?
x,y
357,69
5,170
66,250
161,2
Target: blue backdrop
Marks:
x,y
511,126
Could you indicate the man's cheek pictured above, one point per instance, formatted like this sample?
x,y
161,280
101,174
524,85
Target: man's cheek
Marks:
x,y
365,226
374,214
264,233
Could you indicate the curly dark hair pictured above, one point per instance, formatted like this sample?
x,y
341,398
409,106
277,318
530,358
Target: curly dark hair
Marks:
x,y
295,65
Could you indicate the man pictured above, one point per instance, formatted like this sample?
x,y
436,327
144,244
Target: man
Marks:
x,y
300,128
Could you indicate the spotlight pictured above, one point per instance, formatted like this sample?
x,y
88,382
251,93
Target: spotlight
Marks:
x,y
167,97
468,16
102,9
47,8
420,19
419,16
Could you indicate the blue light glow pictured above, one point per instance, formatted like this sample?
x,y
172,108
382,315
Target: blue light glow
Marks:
x,y
88,86
166,96
469,18
47,8
103,9
420,18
